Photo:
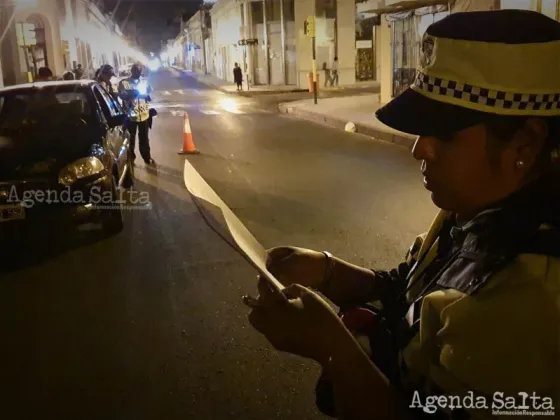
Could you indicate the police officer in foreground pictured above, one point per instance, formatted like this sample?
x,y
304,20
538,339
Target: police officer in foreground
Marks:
x,y
135,95
474,308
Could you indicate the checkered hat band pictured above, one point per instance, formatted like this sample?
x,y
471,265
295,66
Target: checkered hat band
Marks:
x,y
486,97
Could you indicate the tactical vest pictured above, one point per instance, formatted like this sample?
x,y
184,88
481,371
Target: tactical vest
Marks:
x,y
484,286
138,110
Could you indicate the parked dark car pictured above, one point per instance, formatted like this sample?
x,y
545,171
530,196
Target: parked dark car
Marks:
x,y
64,156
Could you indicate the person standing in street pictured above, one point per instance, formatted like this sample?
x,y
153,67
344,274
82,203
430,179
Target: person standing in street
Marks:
x,y
334,72
135,95
327,74
78,72
238,77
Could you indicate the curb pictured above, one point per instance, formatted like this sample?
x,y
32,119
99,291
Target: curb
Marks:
x,y
339,123
269,92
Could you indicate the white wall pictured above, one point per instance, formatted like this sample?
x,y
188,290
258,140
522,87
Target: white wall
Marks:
x,y
291,53
67,26
194,58
226,24
47,12
210,55
303,9
346,18
478,5
384,59
346,21
89,39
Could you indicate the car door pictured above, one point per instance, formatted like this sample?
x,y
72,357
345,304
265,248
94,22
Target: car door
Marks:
x,y
117,138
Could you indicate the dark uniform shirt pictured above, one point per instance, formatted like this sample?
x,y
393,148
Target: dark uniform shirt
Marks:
x,y
482,304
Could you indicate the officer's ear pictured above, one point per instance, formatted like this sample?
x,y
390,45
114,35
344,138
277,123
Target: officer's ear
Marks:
x,y
528,142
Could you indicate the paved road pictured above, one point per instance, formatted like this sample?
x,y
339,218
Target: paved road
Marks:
x,y
149,324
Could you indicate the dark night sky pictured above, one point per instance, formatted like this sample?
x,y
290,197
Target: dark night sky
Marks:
x,y
153,18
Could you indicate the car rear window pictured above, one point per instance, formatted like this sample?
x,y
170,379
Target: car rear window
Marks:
x,y
42,106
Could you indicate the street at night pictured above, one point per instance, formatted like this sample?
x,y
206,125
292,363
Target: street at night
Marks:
x,y
394,169
149,324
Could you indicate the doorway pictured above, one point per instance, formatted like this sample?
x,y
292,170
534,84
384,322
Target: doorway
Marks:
x,y
37,56
405,58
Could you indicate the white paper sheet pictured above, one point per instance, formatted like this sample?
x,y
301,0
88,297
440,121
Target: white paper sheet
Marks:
x,y
226,224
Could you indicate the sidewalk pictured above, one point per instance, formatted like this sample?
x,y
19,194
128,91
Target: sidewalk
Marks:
x,y
337,112
228,87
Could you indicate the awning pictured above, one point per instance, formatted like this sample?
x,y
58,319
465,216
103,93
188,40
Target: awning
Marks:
x,y
395,6
427,10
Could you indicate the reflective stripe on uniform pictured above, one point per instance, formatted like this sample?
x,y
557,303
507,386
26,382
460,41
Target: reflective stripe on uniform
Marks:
x,y
138,110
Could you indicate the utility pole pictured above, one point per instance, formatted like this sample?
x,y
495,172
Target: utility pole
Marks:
x,y
309,29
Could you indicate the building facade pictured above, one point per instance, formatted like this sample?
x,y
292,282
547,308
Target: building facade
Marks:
x,y
267,39
401,25
59,34
373,40
196,41
227,21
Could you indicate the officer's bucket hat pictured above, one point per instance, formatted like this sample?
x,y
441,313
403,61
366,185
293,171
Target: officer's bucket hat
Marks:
x,y
474,65
107,69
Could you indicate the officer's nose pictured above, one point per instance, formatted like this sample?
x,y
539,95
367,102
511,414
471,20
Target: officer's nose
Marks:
x,y
424,148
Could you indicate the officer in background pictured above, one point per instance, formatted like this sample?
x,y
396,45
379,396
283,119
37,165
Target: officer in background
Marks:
x,y
44,74
104,76
474,309
135,95
78,72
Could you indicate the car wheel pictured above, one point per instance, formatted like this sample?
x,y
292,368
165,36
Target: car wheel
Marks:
x,y
112,218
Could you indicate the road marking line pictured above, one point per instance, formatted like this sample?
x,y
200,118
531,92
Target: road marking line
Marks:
x,y
160,105
180,91
209,112
157,105
167,93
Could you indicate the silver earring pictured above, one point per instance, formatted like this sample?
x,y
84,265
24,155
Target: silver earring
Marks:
x,y
519,164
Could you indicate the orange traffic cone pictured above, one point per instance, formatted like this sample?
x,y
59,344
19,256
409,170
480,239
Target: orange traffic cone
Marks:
x,y
188,143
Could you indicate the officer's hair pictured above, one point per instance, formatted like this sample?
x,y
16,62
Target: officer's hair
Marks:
x,y
503,128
